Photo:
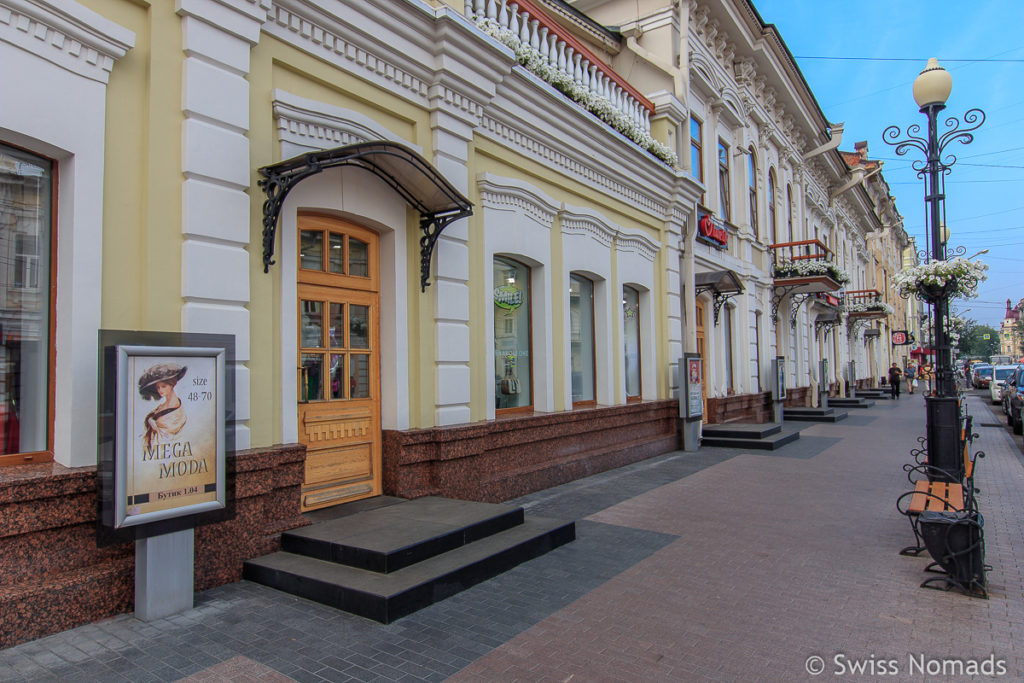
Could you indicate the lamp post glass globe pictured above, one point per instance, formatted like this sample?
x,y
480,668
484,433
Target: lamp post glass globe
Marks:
x,y
933,85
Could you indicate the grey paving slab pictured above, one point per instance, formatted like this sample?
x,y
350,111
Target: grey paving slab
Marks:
x,y
670,578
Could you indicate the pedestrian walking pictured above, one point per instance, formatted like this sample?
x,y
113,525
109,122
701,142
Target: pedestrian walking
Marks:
x,y
895,377
926,375
911,375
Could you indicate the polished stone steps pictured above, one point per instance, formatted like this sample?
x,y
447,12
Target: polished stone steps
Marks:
x,y
850,402
813,414
388,562
765,437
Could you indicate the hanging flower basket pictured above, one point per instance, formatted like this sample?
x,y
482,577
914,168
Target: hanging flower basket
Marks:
x,y
810,268
956,278
869,309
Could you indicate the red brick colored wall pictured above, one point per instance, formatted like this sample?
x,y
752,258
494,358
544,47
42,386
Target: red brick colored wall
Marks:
x,y
54,577
798,398
502,459
755,408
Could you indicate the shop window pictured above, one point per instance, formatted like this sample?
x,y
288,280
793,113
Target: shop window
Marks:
x,y
26,299
723,180
581,339
513,386
631,337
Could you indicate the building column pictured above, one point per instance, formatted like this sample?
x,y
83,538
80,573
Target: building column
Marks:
x,y
452,132
217,38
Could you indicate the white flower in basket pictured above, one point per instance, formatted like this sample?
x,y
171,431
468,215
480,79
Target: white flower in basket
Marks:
x,y
956,278
869,307
811,268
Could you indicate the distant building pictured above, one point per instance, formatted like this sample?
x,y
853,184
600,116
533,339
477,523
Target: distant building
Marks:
x,y
1010,340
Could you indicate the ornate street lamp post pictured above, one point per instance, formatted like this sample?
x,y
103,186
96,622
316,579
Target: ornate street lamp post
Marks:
x,y
931,89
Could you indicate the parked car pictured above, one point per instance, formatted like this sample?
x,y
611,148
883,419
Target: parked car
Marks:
x,y
1009,385
980,375
1000,374
1014,401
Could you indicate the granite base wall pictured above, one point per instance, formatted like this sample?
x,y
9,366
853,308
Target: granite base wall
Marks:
x,y
53,576
502,459
756,408
798,398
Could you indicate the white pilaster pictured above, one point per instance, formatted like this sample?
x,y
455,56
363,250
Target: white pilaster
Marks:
x,y
217,36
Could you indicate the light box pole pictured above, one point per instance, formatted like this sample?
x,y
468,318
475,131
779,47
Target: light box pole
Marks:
x,y
931,89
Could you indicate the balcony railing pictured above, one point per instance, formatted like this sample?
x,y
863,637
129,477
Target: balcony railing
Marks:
x,y
565,53
804,250
863,296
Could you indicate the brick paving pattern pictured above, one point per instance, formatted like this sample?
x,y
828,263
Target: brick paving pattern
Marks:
x,y
715,565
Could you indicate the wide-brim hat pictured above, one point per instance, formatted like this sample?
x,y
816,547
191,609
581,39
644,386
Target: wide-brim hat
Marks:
x,y
161,372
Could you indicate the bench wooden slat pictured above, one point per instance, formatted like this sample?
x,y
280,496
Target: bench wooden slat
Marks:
x,y
937,496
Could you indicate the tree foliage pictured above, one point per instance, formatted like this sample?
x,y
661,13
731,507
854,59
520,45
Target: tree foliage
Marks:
x,y
973,343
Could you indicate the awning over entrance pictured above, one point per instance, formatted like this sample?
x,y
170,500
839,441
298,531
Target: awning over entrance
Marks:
x,y
723,284
408,173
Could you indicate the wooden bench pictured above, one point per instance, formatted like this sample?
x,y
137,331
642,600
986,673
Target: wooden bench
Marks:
x,y
955,542
938,492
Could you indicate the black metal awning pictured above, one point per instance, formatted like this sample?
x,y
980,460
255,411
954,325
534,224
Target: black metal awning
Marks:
x,y
405,171
723,284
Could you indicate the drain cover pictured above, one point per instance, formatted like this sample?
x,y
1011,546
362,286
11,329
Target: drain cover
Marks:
x,y
991,424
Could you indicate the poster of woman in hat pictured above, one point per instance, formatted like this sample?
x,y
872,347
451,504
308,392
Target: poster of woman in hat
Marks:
x,y
172,458
167,419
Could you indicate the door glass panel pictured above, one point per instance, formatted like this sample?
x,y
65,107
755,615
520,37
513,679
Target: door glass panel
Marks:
x,y
631,335
511,334
359,381
312,324
336,255
581,337
358,258
337,325
311,249
337,375
359,327
312,376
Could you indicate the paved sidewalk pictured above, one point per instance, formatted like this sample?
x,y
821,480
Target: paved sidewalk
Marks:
x,y
715,565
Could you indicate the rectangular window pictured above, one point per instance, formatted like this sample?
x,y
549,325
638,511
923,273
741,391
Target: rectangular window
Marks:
x,y
696,150
723,180
581,339
512,379
26,225
631,336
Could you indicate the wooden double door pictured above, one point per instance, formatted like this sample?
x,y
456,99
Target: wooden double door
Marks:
x,y
338,361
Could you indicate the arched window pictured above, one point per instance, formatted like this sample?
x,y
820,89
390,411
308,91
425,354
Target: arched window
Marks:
x,y
752,173
581,339
723,180
789,210
513,386
773,233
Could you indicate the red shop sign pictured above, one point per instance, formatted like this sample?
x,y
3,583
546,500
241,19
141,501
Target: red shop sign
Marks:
x,y
712,232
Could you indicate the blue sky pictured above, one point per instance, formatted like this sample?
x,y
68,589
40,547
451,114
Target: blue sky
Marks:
x,y
985,189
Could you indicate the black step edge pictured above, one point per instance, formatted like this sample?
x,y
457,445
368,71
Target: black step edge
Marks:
x,y
400,558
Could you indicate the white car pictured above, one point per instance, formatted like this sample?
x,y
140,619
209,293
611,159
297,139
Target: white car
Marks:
x,y
999,375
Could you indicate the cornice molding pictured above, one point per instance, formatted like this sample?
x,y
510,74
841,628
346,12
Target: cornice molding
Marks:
x,y
501,193
67,34
578,220
318,125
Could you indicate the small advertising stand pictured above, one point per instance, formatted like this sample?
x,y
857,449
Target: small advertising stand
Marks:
x,y
823,383
163,447
778,388
691,399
